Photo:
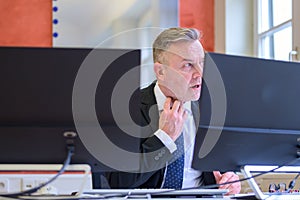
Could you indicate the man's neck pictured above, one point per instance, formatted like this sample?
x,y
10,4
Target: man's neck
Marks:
x,y
168,93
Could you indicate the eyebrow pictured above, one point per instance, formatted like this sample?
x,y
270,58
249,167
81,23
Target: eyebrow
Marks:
x,y
190,60
185,60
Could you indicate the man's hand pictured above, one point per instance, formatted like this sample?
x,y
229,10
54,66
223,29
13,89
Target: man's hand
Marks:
x,y
172,118
234,188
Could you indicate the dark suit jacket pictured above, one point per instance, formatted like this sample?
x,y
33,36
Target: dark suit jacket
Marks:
x,y
151,147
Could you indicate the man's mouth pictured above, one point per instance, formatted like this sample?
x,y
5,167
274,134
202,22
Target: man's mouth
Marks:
x,y
196,86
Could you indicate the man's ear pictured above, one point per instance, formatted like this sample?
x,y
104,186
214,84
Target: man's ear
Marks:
x,y
159,71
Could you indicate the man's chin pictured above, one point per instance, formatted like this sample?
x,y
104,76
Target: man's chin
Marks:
x,y
189,98
195,97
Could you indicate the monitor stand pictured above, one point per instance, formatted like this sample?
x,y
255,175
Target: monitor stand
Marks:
x,y
247,169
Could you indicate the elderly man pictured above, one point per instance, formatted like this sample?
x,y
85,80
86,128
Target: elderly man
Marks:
x,y
166,155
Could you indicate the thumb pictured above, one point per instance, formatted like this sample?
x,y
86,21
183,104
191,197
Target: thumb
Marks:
x,y
217,175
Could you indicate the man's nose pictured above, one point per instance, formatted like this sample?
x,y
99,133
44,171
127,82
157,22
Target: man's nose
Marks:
x,y
198,71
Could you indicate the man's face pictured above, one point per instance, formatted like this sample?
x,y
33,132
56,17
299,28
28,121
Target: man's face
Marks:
x,y
183,71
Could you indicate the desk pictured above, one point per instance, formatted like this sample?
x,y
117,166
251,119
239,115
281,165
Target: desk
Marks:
x,y
158,193
90,197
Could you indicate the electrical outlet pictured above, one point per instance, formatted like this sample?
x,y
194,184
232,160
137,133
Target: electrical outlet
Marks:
x,y
4,185
40,181
28,183
48,189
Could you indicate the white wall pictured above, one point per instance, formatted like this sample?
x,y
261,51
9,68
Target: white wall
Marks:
x,y
114,24
234,27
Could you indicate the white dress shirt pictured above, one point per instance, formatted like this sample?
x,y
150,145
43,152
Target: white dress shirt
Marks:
x,y
191,177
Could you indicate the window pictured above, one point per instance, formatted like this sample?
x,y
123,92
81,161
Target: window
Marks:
x,y
275,29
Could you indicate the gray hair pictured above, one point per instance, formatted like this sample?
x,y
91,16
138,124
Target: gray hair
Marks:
x,y
170,36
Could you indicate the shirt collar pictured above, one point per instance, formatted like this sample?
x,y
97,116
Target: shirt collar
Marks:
x,y
161,98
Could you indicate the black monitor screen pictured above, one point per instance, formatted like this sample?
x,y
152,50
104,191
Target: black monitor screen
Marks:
x,y
250,113
39,97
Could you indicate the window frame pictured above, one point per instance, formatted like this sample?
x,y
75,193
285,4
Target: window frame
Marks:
x,y
294,22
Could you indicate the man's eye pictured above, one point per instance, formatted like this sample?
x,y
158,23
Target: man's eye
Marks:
x,y
187,65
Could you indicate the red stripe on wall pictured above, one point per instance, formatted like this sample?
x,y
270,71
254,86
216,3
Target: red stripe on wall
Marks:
x,y
199,14
26,23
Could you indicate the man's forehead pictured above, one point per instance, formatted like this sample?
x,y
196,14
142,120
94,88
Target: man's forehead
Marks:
x,y
186,50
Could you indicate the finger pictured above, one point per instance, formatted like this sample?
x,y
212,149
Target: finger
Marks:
x,y
226,177
230,178
234,179
217,175
176,106
223,179
167,104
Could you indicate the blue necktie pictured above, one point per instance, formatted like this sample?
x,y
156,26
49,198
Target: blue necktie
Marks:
x,y
175,168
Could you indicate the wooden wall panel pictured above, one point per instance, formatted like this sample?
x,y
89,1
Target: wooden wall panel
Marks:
x,y
26,23
199,14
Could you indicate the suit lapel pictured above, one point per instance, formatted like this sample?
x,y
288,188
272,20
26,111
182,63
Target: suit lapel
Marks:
x,y
149,107
196,113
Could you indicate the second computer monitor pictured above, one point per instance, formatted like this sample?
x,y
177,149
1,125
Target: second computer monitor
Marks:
x,y
250,113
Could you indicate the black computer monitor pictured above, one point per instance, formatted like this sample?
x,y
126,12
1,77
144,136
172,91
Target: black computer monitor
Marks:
x,y
40,88
250,113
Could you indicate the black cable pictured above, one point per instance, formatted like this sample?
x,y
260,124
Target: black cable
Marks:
x,y
292,183
229,182
201,187
61,171
236,181
254,176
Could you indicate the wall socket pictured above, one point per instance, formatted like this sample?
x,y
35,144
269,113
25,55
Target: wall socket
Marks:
x,y
27,183
4,185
